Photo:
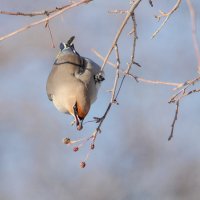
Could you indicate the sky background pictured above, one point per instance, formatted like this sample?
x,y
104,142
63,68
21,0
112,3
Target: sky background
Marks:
x,y
133,158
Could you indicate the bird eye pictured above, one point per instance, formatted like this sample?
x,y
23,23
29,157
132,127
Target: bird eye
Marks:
x,y
62,46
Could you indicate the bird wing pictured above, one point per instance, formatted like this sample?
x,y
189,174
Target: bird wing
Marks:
x,y
63,68
87,77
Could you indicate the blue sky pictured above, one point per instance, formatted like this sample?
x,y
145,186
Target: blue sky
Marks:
x,y
132,158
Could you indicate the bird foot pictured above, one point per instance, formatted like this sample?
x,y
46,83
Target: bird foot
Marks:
x,y
98,119
98,78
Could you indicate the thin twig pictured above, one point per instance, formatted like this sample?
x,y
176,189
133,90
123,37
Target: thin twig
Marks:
x,y
194,33
52,41
184,87
32,14
44,20
102,58
191,92
118,11
188,83
132,54
174,121
131,10
140,79
167,16
151,3
113,99
155,81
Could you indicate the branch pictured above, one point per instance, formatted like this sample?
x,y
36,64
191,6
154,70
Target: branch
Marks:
x,y
157,82
178,96
113,98
139,79
151,3
32,14
133,7
102,58
191,92
181,93
167,15
174,121
114,90
118,12
194,34
45,19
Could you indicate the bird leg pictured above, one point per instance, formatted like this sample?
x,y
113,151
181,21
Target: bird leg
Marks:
x,y
80,126
76,114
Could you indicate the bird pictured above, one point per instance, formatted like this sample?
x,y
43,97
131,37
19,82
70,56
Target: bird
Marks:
x,y
73,82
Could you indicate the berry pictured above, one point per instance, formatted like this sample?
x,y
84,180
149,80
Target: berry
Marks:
x,y
66,140
82,164
92,146
75,149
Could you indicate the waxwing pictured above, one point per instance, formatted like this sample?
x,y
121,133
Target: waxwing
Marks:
x,y
73,83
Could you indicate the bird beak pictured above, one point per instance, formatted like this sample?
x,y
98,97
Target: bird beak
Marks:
x,y
79,122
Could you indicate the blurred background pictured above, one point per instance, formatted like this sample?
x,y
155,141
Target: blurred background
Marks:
x,y
133,158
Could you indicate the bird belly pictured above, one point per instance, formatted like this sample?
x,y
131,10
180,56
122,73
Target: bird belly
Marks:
x,y
63,100
60,104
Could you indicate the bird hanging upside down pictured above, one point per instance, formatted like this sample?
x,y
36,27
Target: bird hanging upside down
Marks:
x,y
73,83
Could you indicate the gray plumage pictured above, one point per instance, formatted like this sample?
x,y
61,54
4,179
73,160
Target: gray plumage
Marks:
x,y
73,80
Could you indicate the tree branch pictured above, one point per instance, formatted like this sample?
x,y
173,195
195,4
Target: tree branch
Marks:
x,y
167,15
194,34
139,79
174,121
32,14
131,10
45,19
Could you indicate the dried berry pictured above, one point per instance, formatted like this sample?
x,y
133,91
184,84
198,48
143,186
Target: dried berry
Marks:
x,y
82,164
75,149
92,146
66,140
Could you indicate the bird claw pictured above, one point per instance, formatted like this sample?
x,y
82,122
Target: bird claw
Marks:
x,y
98,119
98,78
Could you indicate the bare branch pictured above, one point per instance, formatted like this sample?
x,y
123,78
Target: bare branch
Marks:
x,y
194,34
151,3
133,7
189,82
32,14
113,98
167,16
174,121
114,94
178,96
139,79
102,58
118,11
192,91
51,35
184,86
155,81
44,20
